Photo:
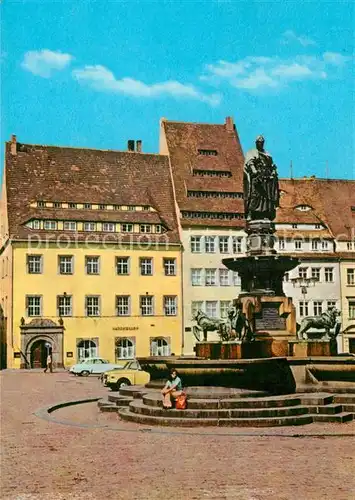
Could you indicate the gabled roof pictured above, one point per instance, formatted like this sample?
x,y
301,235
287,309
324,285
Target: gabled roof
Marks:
x,y
77,175
331,201
183,142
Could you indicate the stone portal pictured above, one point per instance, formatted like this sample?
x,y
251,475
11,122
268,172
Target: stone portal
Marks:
x,y
39,338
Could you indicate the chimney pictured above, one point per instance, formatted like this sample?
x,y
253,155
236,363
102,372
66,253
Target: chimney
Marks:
x,y
13,147
130,145
138,146
229,124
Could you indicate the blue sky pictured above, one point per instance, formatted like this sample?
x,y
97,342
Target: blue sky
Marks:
x,y
94,74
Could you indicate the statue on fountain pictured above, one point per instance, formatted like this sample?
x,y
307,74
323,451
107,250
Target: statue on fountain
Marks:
x,y
261,187
235,326
327,321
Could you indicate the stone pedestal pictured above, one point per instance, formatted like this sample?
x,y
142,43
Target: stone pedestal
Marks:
x,y
309,348
219,350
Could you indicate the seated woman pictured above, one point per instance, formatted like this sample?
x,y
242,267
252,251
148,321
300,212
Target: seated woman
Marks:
x,y
172,389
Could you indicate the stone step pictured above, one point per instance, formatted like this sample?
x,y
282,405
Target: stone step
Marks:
x,y
316,399
119,400
344,399
155,399
331,409
338,418
349,408
133,390
247,413
127,415
105,408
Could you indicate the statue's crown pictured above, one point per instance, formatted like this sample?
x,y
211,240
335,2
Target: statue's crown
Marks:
x,y
260,138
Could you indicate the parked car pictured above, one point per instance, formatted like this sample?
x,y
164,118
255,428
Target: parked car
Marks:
x,y
130,374
93,366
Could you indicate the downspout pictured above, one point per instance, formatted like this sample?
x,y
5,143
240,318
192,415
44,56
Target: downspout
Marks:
x,y
341,306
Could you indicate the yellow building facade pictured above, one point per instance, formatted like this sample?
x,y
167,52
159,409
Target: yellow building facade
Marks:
x,y
87,274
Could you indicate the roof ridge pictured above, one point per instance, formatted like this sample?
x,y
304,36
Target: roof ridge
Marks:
x,y
87,149
164,120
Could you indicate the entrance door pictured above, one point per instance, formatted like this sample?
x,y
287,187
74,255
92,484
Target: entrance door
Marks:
x,y
39,353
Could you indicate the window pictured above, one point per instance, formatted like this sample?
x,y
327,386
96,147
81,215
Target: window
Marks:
x,y
131,208
170,305
66,264
64,305
236,279
223,277
92,305
210,277
302,272
158,229
57,204
331,304
159,347
34,305
224,307
89,226
36,224
34,264
108,227
87,206
146,266
224,244
92,265
122,265
351,309
72,205
196,305
146,208
325,245
102,207
298,244
237,244
50,225
210,244
294,226
318,226
287,277
303,305
116,207
195,244
315,273
211,308
212,215
329,274
317,307
315,244
147,305
208,152
213,173
127,228
69,226
123,305
87,349
281,244
169,267
41,204
125,349
145,228
196,277
350,245
350,275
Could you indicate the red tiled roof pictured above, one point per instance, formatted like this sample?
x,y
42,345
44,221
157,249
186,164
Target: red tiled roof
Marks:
x,y
183,142
88,176
331,201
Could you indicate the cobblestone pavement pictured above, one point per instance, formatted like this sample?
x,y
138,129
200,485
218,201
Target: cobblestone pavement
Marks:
x,y
45,460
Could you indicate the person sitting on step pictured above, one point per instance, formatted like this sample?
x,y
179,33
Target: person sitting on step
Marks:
x,y
172,389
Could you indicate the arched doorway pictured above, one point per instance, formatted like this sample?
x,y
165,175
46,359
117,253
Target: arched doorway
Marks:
x,y
39,352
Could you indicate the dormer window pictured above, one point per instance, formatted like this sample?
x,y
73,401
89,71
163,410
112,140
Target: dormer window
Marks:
x,y
116,207
145,228
87,206
102,207
50,225
158,229
57,204
41,204
72,205
318,226
294,226
208,152
146,208
131,208
303,208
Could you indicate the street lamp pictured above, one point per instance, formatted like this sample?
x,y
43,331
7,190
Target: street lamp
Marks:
x,y
303,283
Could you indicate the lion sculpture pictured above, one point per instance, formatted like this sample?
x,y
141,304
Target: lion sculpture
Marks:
x,y
327,321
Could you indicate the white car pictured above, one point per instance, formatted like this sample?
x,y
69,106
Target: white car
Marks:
x,y
93,365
